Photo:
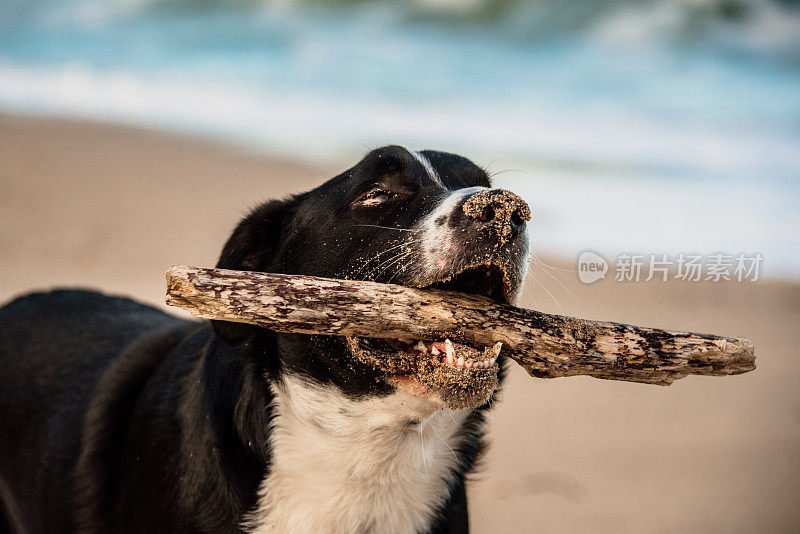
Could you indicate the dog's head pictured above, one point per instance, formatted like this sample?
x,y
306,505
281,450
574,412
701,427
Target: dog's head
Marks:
x,y
427,219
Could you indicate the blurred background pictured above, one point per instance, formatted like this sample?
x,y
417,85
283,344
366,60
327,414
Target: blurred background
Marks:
x,y
573,101
134,133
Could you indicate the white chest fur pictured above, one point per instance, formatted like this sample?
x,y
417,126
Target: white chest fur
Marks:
x,y
341,465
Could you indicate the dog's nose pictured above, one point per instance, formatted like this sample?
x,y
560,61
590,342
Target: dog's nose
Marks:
x,y
500,209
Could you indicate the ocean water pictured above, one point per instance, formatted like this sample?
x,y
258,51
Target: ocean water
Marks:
x,y
657,126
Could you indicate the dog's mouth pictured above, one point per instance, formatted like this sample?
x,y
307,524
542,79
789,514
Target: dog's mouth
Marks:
x,y
487,280
445,353
461,375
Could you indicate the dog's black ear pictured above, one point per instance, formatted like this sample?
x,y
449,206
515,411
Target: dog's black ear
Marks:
x,y
253,246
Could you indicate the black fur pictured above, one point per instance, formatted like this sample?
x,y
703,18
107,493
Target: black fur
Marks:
x,y
116,417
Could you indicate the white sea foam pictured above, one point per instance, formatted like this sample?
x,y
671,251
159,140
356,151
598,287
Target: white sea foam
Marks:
x,y
630,191
311,125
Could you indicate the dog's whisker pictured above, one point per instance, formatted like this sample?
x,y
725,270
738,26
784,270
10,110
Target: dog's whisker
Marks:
x,y
395,257
547,270
559,282
393,261
495,173
397,271
560,309
433,427
379,269
527,292
390,228
423,453
539,261
377,257
400,267
309,350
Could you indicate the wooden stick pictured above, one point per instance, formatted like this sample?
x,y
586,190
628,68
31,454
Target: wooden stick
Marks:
x,y
545,345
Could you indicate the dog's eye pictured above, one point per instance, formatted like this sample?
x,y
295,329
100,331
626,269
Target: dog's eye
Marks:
x,y
374,197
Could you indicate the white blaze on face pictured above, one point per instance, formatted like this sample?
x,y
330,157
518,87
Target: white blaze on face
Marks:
x,y
432,174
438,241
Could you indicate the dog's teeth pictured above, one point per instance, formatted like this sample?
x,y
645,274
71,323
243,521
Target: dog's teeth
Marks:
x,y
451,351
460,362
496,349
435,351
420,346
491,362
468,365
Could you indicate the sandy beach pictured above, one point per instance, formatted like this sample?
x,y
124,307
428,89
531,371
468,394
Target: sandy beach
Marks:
x,y
111,208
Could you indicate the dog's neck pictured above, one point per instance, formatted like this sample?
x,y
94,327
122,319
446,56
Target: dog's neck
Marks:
x,y
383,464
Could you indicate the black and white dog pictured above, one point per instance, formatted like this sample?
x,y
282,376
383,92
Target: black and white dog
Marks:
x,y
115,417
